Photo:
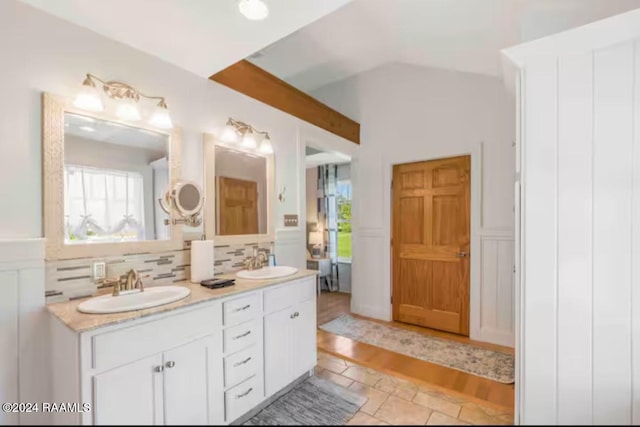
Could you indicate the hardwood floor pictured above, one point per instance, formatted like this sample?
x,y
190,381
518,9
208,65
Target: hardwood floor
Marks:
x,y
332,305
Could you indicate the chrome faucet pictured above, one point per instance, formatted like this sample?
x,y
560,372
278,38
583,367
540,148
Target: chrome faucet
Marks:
x,y
127,282
256,261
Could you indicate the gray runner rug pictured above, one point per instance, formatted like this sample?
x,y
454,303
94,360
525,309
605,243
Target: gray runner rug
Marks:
x,y
490,364
313,402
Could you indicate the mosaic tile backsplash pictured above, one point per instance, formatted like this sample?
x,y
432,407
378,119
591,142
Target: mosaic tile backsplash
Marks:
x,y
72,279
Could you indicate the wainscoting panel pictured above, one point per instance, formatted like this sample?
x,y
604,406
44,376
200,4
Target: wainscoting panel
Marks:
x,y
24,372
496,323
290,248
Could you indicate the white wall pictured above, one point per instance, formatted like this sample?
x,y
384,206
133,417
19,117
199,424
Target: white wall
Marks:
x,y
409,113
23,328
580,318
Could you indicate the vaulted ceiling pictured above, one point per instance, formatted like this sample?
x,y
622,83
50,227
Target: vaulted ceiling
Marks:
x,y
463,35
201,36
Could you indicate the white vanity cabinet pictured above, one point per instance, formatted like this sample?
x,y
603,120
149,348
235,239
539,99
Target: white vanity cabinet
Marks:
x,y
289,333
205,363
167,388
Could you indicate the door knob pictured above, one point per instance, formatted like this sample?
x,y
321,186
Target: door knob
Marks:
x,y
461,254
170,364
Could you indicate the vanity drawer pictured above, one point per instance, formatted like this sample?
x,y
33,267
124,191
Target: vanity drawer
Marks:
x,y
241,336
240,310
127,344
242,398
240,366
289,294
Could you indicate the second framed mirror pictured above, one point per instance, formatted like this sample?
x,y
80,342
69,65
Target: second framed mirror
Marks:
x,y
239,191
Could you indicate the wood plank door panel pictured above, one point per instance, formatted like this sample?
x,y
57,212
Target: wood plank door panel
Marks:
x,y
237,206
431,240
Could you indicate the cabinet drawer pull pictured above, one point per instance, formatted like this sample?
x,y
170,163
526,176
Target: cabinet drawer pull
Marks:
x,y
238,396
294,315
158,368
235,365
237,337
242,308
170,364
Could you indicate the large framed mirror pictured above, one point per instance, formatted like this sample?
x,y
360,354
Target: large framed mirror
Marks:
x,y
102,182
239,191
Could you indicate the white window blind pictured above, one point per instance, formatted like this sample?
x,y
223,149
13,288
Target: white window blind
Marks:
x,y
103,204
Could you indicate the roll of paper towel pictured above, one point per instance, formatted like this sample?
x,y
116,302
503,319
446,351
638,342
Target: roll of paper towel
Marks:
x,y
201,260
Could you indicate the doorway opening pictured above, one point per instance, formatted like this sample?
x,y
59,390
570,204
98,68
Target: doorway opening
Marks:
x,y
328,226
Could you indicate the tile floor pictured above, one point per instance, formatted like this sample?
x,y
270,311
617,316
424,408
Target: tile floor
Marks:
x,y
394,401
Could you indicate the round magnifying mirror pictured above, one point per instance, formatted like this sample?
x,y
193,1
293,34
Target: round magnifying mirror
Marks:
x,y
187,198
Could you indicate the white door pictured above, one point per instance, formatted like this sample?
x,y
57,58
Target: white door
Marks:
x,y
186,378
277,351
130,394
304,337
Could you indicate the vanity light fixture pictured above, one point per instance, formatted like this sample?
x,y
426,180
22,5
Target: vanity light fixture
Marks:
x,y
235,129
127,97
254,10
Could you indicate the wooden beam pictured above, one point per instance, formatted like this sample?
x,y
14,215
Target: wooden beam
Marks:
x,y
255,82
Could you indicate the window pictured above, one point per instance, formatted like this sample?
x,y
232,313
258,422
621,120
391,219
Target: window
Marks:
x,y
103,205
343,201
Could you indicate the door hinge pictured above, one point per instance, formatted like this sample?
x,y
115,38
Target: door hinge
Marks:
x,y
391,299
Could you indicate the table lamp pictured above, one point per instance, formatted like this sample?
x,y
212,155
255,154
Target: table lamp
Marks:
x,y
316,241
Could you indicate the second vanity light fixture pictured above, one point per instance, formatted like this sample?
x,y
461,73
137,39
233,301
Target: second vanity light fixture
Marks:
x,y
235,129
127,96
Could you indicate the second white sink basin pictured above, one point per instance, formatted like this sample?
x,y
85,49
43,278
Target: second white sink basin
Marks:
x,y
265,273
134,300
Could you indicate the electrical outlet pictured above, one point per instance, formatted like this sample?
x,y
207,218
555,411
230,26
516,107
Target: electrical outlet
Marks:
x,y
99,270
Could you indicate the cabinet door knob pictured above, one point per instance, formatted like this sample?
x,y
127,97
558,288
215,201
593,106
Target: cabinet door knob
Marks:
x,y
158,368
294,315
170,364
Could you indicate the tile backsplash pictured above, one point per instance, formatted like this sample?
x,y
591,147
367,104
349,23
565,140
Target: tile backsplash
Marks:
x,y
71,279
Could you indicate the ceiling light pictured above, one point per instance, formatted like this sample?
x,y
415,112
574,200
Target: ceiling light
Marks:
x,y
248,140
229,133
87,129
89,97
160,118
254,10
128,110
265,146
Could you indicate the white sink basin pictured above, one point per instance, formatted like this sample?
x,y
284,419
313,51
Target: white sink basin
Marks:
x,y
134,300
265,273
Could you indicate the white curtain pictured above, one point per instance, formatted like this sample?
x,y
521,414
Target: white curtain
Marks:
x,y
103,204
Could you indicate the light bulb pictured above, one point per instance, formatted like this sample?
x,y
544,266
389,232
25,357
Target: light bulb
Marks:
x,y
253,10
128,110
89,98
160,118
265,146
229,133
248,140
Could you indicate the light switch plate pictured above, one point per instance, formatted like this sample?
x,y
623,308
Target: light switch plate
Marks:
x,y
290,220
99,270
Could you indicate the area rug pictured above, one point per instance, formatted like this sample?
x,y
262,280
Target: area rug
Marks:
x,y
314,402
467,358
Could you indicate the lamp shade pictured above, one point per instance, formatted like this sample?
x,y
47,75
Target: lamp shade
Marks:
x,y
315,238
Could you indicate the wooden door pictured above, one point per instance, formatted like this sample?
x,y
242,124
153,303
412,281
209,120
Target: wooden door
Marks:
x,y
187,375
237,206
130,394
431,210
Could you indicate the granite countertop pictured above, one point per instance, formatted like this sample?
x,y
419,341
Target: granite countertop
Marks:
x,y
81,322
